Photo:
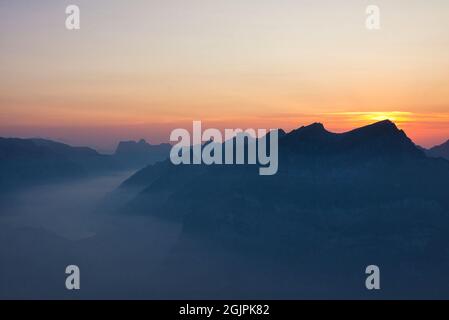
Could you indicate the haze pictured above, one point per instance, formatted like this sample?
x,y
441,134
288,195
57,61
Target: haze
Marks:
x,y
139,69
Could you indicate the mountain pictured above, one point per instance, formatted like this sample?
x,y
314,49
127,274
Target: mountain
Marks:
x,y
380,139
139,154
23,162
26,162
439,151
89,159
364,195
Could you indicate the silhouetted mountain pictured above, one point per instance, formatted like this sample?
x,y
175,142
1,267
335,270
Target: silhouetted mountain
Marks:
x,y
365,194
25,162
439,151
381,139
89,159
139,154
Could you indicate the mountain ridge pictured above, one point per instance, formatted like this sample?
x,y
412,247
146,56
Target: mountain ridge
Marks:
x,y
233,205
34,161
140,153
441,150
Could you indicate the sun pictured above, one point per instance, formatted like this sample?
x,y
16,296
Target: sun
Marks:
x,y
370,116
395,116
375,116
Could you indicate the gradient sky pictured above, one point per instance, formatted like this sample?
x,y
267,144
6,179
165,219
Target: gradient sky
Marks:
x,y
141,68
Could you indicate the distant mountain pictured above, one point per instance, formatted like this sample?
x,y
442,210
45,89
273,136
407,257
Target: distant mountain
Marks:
x,y
369,191
26,162
380,140
439,151
140,154
88,158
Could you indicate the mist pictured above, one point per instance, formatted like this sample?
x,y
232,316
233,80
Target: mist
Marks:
x,y
44,229
121,256
140,256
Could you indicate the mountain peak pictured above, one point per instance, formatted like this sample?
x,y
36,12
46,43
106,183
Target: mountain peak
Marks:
x,y
384,127
313,129
387,123
316,126
308,139
140,153
380,138
281,132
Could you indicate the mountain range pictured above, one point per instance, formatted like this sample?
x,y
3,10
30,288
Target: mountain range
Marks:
x,y
27,162
339,202
367,194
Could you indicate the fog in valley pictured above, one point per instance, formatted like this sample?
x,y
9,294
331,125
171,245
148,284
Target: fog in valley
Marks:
x,y
44,229
139,256
121,256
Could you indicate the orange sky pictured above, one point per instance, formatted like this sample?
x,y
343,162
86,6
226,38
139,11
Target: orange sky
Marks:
x,y
143,68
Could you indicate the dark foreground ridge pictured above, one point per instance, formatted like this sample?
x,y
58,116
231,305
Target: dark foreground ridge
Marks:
x,y
337,200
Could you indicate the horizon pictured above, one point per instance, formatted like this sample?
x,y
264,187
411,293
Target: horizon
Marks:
x,y
139,70
152,142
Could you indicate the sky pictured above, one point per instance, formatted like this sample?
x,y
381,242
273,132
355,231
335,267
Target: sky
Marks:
x,y
138,69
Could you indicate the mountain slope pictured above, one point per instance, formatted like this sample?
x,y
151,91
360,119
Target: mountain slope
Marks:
x,y
26,162
439,151
367,186
379,139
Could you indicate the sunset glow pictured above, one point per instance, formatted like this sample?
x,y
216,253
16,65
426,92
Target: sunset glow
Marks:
x,y
137,70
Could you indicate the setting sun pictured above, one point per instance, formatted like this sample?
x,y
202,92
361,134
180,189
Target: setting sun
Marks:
x,y
393,116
